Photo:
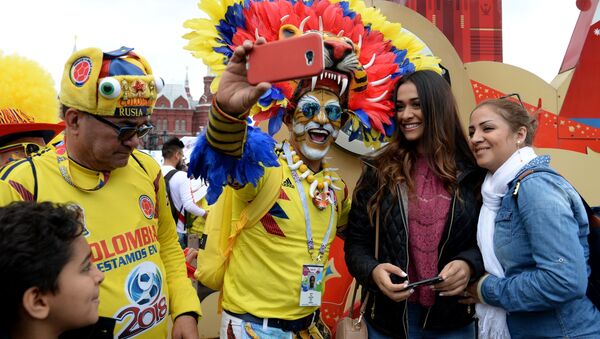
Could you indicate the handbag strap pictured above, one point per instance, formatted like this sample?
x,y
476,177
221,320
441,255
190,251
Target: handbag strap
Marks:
x,y
363,306
377,234
593,219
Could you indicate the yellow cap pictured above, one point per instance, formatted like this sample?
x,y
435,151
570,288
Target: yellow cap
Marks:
x,y
117,83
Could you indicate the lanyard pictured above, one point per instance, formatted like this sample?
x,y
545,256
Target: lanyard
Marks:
x,y
309,237
62,159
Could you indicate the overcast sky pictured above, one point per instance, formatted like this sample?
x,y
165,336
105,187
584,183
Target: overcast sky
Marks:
x,y
536,33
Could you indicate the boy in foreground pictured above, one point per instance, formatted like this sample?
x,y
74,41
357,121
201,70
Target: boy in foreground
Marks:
x,y
48,282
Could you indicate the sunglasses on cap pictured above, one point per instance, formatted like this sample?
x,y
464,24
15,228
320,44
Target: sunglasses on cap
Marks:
x,y
27,148
126,132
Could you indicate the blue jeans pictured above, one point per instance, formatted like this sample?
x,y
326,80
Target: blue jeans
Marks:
x,y
416,332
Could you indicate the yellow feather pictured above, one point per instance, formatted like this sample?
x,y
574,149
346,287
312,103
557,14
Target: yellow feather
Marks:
x,y
355,122
214,9
215,84
255,109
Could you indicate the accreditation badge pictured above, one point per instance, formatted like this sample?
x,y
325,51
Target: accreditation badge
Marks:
x,y
311,288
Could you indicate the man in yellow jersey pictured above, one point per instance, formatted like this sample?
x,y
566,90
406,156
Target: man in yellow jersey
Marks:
x,y
28,108
276,272
107,99
277,252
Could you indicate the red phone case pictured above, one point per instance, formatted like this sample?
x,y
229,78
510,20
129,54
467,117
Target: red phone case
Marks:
x,y
293,58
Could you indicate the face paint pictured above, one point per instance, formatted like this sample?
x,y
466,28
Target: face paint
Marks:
x,y
316,123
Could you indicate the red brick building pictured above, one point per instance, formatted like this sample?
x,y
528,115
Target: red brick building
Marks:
x,y
177,114
474,27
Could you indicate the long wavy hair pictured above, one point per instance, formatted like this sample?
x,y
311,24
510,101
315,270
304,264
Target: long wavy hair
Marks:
x,y
443,140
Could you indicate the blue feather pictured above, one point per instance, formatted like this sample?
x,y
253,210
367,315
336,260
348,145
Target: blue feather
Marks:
x,y
276,122
225,50
389,129
400,54
364,118
215,168
407,67
277,93
396,74
354,134
234,18
346,8
272,94
265,99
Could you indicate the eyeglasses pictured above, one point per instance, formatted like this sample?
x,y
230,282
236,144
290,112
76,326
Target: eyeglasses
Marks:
x,y
516,95
126,132
26,147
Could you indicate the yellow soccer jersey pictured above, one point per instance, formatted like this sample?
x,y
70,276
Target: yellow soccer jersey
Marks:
x,y
265,269
131,234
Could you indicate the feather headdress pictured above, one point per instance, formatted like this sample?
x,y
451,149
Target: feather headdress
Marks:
x,y
385,52
376,54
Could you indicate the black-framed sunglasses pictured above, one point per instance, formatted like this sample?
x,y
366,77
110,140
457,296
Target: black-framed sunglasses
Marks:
x,y
516,95
27,148
126,132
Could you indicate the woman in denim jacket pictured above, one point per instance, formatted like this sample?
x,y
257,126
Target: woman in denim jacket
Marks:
x,y
534,244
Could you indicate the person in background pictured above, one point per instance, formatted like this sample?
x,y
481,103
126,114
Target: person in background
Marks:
x,y
179,188
48,283
422,189
533,237
29,108
199,190
107,98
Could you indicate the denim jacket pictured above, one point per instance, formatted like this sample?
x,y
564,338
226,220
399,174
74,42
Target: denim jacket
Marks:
x,y
541,242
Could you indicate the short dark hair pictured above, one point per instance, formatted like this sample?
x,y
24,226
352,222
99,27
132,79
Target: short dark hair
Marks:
x,y
171,147
35,245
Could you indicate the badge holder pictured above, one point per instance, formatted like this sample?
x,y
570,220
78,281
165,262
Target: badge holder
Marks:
x,y
311,289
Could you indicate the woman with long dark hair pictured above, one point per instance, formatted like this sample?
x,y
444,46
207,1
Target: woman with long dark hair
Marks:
x,y
423,190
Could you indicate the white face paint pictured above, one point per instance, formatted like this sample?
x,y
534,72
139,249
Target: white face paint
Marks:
x,y
316,123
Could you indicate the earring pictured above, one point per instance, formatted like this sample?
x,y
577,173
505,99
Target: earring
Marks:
x,y
519,150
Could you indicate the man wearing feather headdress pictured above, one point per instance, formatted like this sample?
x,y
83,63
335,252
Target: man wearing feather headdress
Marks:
x,y
279,241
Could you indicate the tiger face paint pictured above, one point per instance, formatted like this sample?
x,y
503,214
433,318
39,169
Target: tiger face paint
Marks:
x,y
316,123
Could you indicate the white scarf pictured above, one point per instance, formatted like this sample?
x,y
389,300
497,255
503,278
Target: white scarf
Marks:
x,y
492,320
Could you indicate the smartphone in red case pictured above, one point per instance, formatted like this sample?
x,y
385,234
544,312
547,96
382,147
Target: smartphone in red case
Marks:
x,y
292,58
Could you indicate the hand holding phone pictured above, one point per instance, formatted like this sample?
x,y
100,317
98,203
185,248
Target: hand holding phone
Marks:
x,y
396,279
430,281
292,58
235,95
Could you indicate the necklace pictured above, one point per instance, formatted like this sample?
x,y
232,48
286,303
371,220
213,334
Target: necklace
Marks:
x,y
321,191
62,159
288,156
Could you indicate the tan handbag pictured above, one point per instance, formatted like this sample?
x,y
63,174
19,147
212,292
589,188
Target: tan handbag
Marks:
x,y
348,327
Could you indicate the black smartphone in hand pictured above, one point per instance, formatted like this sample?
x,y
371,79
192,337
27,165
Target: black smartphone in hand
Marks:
x,y
430,281
396,279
